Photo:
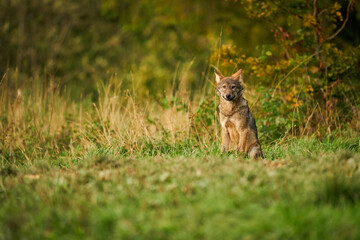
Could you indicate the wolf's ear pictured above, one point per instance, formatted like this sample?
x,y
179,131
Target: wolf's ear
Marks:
x,y
218,75
238,75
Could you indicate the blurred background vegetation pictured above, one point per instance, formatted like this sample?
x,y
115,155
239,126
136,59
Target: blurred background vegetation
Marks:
x,y
61,60
149,42
144,42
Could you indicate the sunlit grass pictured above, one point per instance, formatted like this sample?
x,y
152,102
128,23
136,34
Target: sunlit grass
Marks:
x,y
195,196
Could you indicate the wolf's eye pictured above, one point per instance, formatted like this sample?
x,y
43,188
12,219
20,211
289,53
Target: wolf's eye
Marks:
x,y
224,86
233,87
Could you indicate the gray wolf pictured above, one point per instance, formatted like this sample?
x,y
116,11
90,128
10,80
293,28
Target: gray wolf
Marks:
x,y
238,127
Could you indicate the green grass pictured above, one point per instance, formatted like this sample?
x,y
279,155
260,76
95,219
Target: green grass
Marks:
x,y
304,189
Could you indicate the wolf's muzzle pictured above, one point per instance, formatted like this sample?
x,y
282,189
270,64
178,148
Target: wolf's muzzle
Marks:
x,y
229,97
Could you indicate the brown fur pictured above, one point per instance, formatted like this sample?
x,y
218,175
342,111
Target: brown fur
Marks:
x,y
238,127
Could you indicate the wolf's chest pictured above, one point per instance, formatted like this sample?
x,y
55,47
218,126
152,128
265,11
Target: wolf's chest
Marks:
x,y
235,121
227,122
231,127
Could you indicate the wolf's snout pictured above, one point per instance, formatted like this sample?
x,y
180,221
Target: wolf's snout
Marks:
x,y
229,97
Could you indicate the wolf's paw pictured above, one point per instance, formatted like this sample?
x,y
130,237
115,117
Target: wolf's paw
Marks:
x,y
224,149
255,153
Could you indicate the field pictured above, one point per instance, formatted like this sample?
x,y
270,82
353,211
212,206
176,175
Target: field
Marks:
x,y
304,189
108,170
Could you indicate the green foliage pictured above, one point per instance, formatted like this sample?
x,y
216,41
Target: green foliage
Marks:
x,y
310,78
273,124
205,121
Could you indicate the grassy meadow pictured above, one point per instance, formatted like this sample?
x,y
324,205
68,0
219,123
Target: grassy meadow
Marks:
x,y
118,168
109,119
304,195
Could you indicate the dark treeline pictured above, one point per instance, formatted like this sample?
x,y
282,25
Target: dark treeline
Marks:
x,y
151,43
81,42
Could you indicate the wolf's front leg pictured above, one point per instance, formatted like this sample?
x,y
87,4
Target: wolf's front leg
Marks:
x,y
225,140
243,135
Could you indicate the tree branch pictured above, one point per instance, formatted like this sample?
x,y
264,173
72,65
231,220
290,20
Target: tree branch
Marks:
x,y
345,21
316,33
287,10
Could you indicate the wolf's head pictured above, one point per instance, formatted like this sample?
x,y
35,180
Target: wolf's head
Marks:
x,y
229,88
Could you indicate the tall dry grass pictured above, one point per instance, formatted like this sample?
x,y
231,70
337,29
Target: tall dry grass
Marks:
x,y
39,120
128,121
34,118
